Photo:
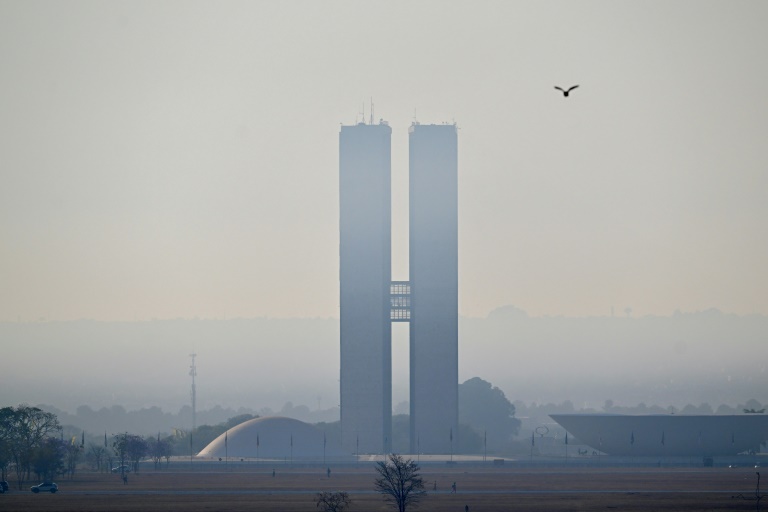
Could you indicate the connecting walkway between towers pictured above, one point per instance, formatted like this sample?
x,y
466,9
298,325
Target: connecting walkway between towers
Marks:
x,y
400,301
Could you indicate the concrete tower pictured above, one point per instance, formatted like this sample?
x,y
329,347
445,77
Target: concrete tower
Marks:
x,y
370,301
433,177
365,275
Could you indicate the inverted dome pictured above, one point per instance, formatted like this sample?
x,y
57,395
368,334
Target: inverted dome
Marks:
x,y
272,437
667,434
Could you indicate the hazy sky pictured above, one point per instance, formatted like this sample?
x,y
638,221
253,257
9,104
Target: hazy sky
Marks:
x,y
180,159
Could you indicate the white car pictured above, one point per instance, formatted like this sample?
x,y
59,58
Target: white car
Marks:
x,y
45,486
122,469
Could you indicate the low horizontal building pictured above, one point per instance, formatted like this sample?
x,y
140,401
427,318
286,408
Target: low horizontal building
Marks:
x,y
667,434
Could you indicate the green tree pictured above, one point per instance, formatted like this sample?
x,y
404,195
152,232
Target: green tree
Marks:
x,y
158,449
487,410
6,452
399,481
48,458
137,450
130,448
470,440
180,441
120,448
5,459
23,430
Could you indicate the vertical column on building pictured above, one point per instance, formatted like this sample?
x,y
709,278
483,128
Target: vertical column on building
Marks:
x,y
433,269
364,278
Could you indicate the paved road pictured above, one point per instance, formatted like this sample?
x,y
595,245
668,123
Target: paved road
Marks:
x,y
172,492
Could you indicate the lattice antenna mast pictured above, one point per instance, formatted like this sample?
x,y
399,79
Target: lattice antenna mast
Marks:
x,y
193,374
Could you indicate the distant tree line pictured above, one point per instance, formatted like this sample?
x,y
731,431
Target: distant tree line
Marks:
x,y
488,424
150,420
32,442
536,410
147,420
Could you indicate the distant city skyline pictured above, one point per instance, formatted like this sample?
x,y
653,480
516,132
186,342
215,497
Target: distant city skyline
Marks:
x,y
178,160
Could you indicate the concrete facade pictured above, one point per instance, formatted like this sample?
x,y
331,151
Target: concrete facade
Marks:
x,y
433,212
370,301
364,278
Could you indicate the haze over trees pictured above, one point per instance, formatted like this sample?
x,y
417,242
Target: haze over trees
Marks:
x,y
542,364
490,410
485,415
150,420
533,359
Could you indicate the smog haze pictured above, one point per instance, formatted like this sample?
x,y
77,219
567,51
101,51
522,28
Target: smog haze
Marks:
x,y
169,185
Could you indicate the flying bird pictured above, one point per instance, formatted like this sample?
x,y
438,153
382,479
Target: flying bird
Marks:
x,y
566,91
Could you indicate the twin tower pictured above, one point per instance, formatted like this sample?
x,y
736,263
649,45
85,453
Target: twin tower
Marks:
x,y
371,301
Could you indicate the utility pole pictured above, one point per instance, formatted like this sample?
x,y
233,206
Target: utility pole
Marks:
x,y
193,374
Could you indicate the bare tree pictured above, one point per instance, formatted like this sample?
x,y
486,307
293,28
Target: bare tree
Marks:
x,y
333,501
400,483
96,455
73,454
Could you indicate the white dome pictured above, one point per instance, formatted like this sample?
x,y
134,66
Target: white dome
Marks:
x,y
273,438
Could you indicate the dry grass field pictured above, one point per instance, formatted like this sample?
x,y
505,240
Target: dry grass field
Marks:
x,y
482,488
